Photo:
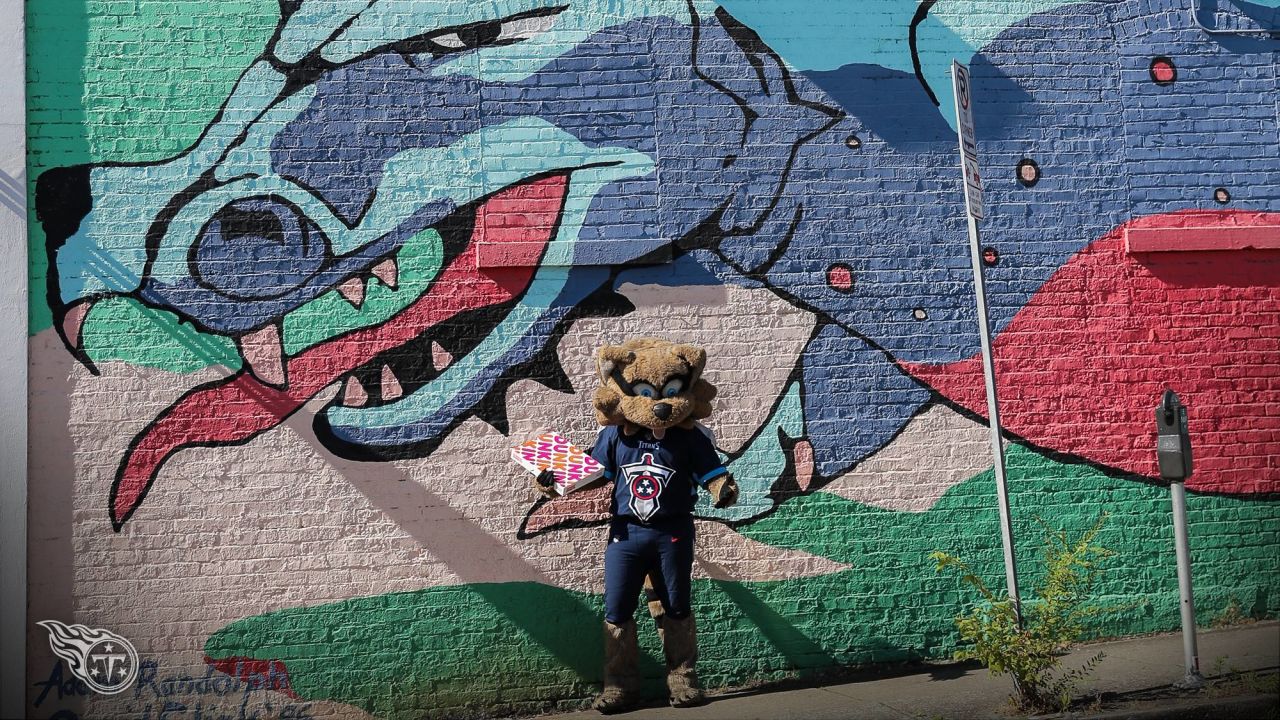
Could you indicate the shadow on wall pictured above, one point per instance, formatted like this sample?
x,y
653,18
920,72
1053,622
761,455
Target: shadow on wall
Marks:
x,y
440,647
801,653
478,559
506,642
68,80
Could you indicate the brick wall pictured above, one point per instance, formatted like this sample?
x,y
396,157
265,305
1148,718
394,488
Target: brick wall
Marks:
x,y
300,281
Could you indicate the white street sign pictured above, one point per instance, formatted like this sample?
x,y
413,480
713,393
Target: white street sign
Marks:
x,y
968,141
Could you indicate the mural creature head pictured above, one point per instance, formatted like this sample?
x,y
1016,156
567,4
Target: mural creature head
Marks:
x,y
652,383
407,199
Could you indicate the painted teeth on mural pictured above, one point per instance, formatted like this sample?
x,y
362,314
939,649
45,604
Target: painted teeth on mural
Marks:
x,y
263,352
441,359
460,309
263,349
391,388
353,290
73,323
387,272
353,393
418,362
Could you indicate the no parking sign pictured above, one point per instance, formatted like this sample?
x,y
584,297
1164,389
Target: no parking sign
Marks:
x,y
968,141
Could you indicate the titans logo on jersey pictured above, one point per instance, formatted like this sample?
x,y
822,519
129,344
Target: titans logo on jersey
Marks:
x,y
646,480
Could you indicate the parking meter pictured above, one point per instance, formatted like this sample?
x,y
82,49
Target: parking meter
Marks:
x,y
1173,453
1173,442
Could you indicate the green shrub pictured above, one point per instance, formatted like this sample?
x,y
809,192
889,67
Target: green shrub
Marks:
x,y
1053,620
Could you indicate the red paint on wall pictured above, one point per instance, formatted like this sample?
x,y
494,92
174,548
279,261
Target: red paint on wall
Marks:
x,y
1079,369
512,228
840,277
590,505
1213,230
257,674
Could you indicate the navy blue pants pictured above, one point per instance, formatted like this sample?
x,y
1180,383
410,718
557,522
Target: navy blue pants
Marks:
x,y
663,548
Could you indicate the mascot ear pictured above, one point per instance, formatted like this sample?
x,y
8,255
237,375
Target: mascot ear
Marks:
x,y
608,358
694,357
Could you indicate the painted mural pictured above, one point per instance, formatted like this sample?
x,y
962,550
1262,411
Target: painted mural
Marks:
x,y
292,331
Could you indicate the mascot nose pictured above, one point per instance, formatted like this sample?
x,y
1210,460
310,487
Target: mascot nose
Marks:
x,y
662,411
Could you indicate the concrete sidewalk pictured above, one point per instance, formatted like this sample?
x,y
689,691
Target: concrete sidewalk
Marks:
x,y
944,691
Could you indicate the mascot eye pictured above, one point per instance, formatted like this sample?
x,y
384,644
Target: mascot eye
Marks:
x,y
672,388
645,390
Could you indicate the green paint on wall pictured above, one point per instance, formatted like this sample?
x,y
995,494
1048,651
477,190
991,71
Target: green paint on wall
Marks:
x,y
124,329
518,645
393,655
1233,540
127,81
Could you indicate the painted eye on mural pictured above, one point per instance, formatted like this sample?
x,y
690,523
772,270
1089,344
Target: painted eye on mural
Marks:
x,y
266,232
494,32
645,390
672,388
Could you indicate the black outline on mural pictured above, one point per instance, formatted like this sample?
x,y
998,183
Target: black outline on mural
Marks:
x,y
297,75
1162,60
1027,162
747,40
752,45
922,12
492,407
307,226
846,267
778,490
50,215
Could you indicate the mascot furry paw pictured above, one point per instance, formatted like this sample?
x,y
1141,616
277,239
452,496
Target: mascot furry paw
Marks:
x,y
650,386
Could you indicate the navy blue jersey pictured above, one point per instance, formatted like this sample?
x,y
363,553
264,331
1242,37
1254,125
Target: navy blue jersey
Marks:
x,y
656,479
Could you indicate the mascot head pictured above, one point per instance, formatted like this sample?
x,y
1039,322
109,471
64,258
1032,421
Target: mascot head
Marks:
x,y
652,383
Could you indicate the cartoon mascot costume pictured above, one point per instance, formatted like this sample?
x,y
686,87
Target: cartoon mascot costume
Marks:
x,y
657,455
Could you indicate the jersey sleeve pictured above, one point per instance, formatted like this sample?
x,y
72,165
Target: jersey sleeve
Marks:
x,y
705,461
603,449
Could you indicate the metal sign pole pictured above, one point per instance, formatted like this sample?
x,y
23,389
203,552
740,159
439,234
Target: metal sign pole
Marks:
x,y
993,412
1191,656
974,211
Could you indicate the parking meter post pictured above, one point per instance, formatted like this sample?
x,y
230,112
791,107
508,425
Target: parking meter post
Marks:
x,y
1191,655
1173,456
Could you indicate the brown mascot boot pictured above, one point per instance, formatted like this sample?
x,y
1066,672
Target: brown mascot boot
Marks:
x,y
621,678
680,645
